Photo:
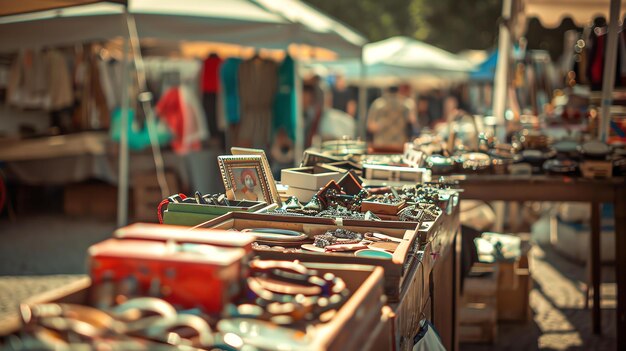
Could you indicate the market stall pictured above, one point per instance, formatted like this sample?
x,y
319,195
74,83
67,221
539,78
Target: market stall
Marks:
x,y
242,22
376,267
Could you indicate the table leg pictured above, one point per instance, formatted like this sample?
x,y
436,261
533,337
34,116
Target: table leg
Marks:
x,y
595,266
620,264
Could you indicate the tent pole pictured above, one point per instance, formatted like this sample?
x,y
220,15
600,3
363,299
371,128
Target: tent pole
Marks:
x,y
608,79
362,109
502,71
122,179
300,136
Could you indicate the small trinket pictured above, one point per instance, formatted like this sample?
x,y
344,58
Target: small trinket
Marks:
x,y
315,204
292,204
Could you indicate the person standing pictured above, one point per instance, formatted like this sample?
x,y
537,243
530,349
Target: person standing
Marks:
x,y
388,118
343,96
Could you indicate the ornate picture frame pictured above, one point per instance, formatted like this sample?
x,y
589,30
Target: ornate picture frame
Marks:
x,y
245,178
242,151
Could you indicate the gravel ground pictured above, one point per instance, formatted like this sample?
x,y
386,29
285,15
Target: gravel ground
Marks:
x,y
38,253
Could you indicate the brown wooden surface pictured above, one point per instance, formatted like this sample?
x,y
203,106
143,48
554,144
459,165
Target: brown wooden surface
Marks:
x,y
381,337
595,266
620,257
396,268
558,188
347,330
443,296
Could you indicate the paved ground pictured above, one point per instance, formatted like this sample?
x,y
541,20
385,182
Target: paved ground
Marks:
x,y
559,320
40,252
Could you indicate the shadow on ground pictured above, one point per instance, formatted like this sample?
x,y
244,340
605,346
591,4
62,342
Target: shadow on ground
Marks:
x,y
559,319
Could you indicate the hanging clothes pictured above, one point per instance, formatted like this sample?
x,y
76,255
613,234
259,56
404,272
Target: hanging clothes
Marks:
x,y
229,78
210,82
285,103
110,77
171,108
193,108
60,83
596,61
258,80
597,53
28,80
210,87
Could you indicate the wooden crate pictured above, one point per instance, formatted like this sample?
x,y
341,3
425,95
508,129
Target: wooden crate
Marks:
x,y
381,337
514,290
479,323
147,194
411,309
445,284
478,315
352,324
396,268
90,199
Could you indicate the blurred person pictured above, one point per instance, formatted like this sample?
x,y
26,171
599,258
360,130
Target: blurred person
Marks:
x,y
422,112
388,118
336,124
405,90
311,113
435,107
327,123
343,98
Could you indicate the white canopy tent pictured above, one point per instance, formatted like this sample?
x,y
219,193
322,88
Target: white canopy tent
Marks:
x,y
405,59
550,13
400,59
12,7
243,22
238,21
317,27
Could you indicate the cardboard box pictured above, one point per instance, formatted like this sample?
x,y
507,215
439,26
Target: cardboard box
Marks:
x,y
310,178
147,194
90,199
303,195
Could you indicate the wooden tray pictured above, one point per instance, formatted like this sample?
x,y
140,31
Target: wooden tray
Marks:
x,y
190,214
382,208
346,331
395,268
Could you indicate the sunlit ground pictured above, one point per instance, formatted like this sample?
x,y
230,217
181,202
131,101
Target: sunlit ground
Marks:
x,y
559,318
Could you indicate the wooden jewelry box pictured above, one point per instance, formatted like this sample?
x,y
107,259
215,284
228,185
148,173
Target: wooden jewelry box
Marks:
x,y
395,268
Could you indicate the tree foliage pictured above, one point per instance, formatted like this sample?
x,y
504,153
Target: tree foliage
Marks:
x,y
450,24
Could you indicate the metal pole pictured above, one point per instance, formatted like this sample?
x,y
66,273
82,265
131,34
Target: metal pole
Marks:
x,y
122,178
146,102
362,110
300,136
608,79
502,71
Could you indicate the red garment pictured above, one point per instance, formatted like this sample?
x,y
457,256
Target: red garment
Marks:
x,y
598,61
171,108
211,74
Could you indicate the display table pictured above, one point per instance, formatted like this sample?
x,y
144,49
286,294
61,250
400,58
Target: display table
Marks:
x,y
558,188
72,158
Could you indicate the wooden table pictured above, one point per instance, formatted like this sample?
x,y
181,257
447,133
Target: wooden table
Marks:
x,y
558,188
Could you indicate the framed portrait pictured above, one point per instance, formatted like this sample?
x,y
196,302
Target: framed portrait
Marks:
x,y
245,178
266,166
